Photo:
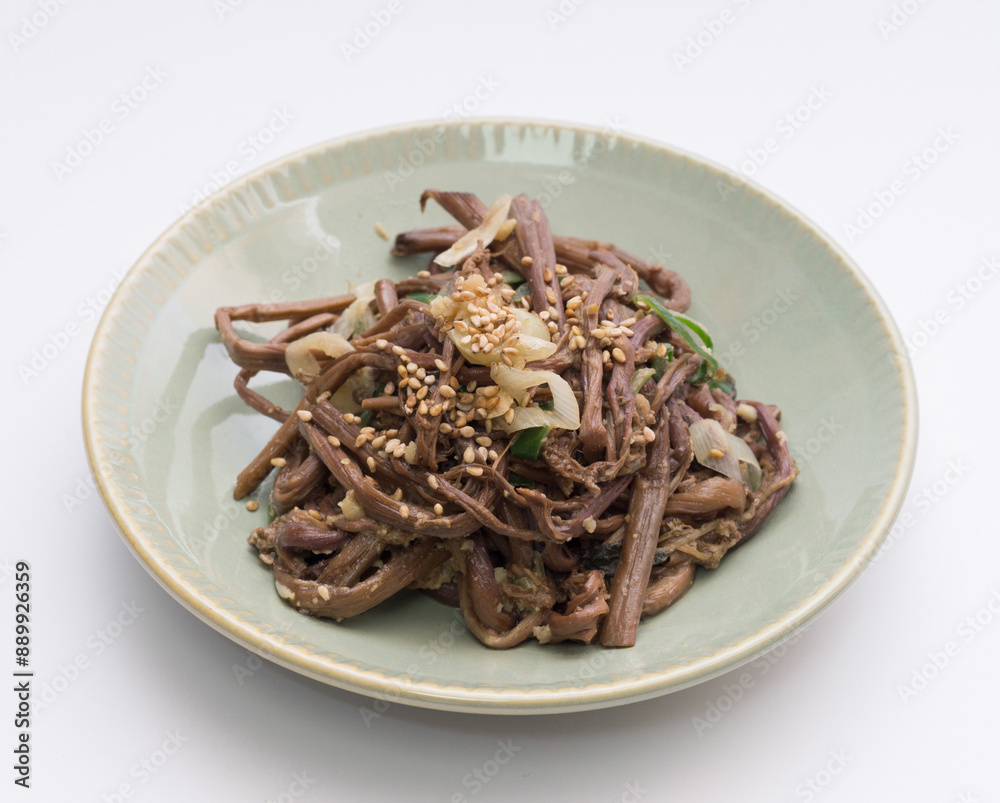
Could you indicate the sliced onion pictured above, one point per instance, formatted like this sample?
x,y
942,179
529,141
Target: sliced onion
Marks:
x,y
358,316
737,461
532,325
565,413
485,232
641,377
528,348
359,384
300,361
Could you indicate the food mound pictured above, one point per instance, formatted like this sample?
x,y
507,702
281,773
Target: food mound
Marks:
x,y
531,429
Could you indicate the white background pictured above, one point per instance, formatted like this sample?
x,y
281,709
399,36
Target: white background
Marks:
x,y
855,708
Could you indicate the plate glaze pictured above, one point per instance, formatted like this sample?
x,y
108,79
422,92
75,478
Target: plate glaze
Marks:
x,y
794,321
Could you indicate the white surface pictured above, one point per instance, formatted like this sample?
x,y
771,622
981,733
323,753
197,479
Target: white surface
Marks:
x,y
830,710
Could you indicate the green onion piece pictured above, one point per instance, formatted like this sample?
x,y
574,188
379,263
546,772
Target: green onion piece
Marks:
x,y
660,363
512,278
420,296
529,443
640,378
366,417
727,385
520,482
691,332
520,293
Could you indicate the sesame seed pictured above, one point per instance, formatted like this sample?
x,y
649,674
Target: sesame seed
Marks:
x,y
581,342
550,295
423,274
648,434
589,524
466,431
390,389
404,511
441,364
399,351
438,508
278,462
324,593
398,495
526,261
403,374
362,439
475,471
252,505
445,428
382,344
482,440
400,450
380,231
560,269
433,481
304,415
448,392
379,442
436,410
618,354
411,367
469,456
422,409
606,356
315,514
414,383
716,453
593,309
483,453
371,463
391,445
422,392
492,455
345,461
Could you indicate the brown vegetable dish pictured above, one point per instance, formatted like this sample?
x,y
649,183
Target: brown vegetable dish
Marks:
x,y
521,430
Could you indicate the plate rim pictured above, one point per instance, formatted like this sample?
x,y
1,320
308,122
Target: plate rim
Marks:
x,y
483,699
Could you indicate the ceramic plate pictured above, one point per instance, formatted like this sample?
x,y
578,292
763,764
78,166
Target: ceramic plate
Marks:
x,y
794,321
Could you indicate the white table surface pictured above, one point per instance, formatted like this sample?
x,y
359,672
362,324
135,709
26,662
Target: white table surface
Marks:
x,y
855,710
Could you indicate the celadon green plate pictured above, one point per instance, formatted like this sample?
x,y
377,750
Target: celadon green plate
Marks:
x,y
794,321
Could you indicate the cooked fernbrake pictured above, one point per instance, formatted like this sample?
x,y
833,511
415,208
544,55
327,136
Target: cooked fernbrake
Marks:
x,y
522,430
